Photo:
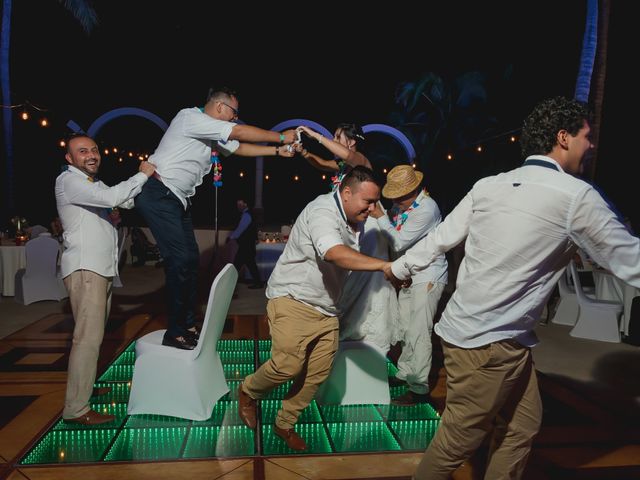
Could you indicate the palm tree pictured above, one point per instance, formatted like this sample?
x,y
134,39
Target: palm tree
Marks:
x,y
432,110
84,13
593,68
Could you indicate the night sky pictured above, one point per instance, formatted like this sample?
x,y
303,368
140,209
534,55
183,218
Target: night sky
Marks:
x,y
163,57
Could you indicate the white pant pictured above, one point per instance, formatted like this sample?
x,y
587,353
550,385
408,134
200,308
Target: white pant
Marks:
x,y
418,305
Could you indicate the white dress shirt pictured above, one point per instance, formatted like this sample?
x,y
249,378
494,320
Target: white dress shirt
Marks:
x,y
420,221
183,156
90,239
301,271
522,229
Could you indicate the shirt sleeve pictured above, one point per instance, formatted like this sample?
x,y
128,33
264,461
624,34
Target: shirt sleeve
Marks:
x,y
594,227
200,125
444,237
245,221
324,231
79,191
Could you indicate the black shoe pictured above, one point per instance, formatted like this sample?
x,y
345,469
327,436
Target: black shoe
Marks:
x,y
396,382
181,342
193,334
256,286
410,398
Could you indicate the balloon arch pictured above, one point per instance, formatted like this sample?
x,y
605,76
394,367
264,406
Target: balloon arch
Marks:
x,y
101,121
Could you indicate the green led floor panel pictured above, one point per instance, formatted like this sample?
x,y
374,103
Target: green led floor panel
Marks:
x,y
227,441
147,444
325,428
362,437
225,412
313,434
415,435
70,446
420,411
350,413
235,345
270,409
117,373
119,392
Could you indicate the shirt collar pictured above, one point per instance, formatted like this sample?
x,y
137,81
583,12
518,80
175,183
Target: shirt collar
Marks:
x,y
77,171
544,158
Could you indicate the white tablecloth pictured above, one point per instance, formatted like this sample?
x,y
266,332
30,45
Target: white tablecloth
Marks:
x,y
609,287
12,259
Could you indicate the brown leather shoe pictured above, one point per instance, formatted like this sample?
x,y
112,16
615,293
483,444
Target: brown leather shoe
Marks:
x,y
291,438
247,409
411,398
91,418
100,391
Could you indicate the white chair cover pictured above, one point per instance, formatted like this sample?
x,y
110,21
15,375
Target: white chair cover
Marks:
x,y
358,376
184,383
598,319
40,280
567,310
36,230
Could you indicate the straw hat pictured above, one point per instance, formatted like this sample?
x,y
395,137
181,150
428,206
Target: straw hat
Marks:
x,y
401,181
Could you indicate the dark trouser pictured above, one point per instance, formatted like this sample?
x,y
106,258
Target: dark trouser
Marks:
x,y
172,229
246,255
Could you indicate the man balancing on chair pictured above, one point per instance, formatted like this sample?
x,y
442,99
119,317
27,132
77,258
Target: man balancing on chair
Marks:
x,y
303,290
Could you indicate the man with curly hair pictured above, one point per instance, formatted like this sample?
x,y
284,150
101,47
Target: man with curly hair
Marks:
x,y
522,228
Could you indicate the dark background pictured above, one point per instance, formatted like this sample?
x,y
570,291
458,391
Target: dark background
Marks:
x,y
325,62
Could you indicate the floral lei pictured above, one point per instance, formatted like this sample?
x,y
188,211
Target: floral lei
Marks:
x,y
336,180
398,218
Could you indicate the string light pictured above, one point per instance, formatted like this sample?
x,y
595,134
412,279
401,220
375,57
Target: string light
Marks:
x,y
241,174
106,151
63,143
384,170
513,138
324,177
296,178
449,157
25,115
44,122
479,148
266,177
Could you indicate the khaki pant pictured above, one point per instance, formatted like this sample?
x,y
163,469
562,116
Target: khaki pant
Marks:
x,y
489,386
418,305
304,344
90,298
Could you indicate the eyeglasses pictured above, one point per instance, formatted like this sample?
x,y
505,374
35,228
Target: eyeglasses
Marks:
x,y
234,110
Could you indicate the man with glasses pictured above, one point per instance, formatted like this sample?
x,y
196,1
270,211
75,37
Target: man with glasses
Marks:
x,y
182,159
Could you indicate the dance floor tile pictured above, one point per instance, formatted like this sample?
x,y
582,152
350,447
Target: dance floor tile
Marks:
x,y
71,446
39,359
350,413
12,406
362,437
134,444
270,408
220,441
313,434
414,435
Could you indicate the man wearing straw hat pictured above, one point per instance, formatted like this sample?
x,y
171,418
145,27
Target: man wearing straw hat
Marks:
x,y
413,216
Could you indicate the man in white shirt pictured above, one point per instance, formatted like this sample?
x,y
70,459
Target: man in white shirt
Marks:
x,y
522,228
89,263
413,216
303,291
182,159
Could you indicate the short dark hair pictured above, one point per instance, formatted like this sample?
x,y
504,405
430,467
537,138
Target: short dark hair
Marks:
x,y
356,176
220,93
73,136
541,127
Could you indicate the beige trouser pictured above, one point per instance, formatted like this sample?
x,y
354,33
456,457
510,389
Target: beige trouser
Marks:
x,y
490,386
304,344
90,298
418,305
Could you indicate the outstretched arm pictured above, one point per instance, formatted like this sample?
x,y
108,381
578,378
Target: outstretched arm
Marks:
x,y
350,157
252,150
248,133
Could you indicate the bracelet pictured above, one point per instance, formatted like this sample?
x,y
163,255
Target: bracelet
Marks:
x,y
277,151
282,138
